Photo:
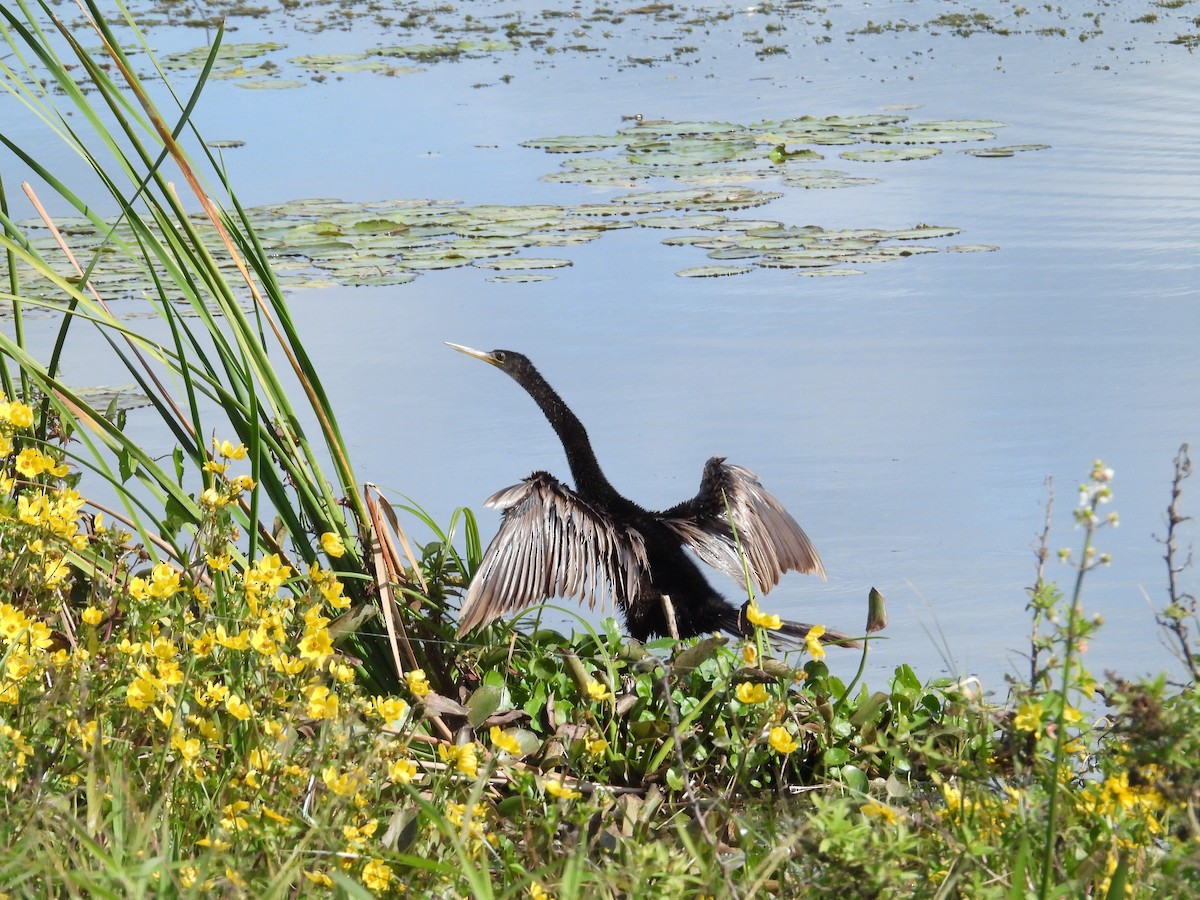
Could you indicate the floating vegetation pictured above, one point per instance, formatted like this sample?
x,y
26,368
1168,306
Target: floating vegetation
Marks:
x,y
111,400
432,34
1003,152
891,154
323,242
712,271
717,169
723,152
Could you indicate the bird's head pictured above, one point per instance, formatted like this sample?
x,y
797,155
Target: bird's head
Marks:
x,y
515,364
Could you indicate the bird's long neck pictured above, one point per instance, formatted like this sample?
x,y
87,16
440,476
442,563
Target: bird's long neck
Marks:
x,y
590,482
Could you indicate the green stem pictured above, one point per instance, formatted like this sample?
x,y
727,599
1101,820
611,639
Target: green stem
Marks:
x,y
1060,719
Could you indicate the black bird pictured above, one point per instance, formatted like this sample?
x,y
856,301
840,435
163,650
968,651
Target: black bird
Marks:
x,y
593,544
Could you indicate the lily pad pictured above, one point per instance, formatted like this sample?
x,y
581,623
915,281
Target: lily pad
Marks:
x,y
520,277
833,272
1010,150
575,144
524,263
713,271
891,154
103,399
270,84
693,221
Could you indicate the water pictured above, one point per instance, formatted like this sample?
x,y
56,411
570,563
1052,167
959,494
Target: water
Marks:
x,y
909,417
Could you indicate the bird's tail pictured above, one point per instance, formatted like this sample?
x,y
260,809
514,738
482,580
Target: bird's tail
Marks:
x,y
791,634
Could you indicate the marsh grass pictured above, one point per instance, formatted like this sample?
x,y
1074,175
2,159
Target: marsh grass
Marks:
x,y
240,681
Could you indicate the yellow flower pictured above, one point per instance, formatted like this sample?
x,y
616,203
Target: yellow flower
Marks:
x,y
880,811
597,690
505,742
237,707
418,684
595,745
164,582
319,878
20,415
92,615
55,572
232,818
332,544
242,483
402,771
376,875
140,693
748,692
463,758
212,499
31,462
560,790
812,641
781,740
953,797
1029,718
358,835
761,619
316,645
261,640
288,665
321,703
537,892
750,654
228,450
232,641
188,748
344,784
331,590
203,645
219,563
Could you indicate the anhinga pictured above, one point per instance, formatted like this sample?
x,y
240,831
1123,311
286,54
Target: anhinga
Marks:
x,y
592,544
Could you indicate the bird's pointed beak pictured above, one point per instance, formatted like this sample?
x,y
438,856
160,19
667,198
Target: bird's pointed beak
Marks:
x,y
478,354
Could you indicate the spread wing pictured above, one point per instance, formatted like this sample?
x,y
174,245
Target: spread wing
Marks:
x,y
551,543
732,498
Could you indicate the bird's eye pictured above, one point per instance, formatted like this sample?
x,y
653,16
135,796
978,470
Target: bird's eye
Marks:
x,y
499,356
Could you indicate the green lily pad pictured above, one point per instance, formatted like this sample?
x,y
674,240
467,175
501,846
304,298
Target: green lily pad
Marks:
x,y
1010,150
824,179
693,221
520,277
524,263
574,144
228,55
102,399
933,136
270,84
833,272
891,154
713,271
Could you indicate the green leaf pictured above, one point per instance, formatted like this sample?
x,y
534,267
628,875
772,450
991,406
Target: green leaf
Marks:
x,y
482,703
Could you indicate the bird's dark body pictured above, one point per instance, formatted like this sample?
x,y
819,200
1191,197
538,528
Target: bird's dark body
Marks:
x,y
698,608
558,541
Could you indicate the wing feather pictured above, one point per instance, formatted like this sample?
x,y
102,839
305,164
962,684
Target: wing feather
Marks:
x,y
551,543
732,498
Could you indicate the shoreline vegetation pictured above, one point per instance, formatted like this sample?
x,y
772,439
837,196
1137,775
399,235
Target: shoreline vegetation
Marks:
x,y
241,678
